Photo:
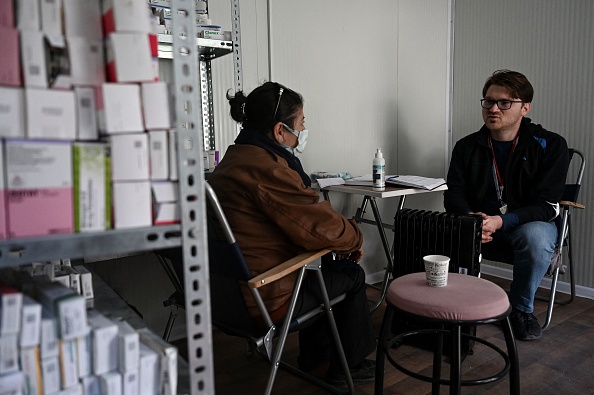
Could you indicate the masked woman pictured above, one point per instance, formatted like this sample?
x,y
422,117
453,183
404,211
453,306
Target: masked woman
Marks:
x,y
275,215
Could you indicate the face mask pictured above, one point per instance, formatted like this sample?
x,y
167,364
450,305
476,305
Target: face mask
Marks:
x,y
301,141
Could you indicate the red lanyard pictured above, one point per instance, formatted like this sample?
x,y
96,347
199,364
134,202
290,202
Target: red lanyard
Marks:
x,y
498,177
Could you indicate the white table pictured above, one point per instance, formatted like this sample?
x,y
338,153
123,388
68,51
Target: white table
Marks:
x,y
369,196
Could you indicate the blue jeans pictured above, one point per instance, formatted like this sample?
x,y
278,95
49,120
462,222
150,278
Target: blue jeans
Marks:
x,y
533,244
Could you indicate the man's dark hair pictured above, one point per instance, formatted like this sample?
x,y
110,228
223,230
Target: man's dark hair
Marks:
x,y
516,83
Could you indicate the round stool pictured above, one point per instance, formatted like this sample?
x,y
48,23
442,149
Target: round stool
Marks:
x,y
466,300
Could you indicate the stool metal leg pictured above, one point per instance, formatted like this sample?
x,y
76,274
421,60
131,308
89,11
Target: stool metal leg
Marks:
x,y
512,353
381,350
437,355
455,373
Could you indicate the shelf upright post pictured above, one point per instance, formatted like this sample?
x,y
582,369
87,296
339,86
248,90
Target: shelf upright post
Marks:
x,y
236,38
192,197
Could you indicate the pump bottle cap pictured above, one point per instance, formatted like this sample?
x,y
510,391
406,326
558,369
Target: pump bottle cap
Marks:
x,y
379,154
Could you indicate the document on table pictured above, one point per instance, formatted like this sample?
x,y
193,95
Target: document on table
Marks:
x,y
416,181
366,180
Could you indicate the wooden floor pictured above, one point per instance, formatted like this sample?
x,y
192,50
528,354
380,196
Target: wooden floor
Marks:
x,y
561,362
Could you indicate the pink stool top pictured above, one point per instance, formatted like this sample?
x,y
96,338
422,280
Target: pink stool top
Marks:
x,y
465,298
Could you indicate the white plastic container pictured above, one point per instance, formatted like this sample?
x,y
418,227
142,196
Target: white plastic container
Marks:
x,y
379,171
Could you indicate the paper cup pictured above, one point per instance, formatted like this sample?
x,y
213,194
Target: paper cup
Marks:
x,y
436,270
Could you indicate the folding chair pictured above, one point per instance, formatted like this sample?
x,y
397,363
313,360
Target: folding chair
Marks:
x,y
229,273
567,203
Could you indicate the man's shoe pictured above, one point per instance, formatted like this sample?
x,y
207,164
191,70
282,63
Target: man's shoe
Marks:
x,y
525,325
361,374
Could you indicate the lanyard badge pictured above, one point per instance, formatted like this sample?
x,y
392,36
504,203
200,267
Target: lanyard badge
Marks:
x,y
498,177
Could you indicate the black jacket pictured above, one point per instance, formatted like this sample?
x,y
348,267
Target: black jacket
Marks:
x,y
534,177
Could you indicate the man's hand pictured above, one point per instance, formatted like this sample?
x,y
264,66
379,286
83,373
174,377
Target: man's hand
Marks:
x,y
490,225
354,256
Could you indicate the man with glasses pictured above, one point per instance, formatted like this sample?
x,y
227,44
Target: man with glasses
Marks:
x,y
512,172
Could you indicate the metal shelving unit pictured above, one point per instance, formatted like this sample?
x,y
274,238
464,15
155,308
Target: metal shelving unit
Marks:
x,y
194,108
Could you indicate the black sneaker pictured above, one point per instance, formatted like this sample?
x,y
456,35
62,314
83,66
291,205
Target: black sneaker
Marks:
x,y
361,374
525,325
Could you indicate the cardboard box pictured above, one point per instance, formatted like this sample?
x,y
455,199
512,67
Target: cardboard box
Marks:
x,y
31,368
126,16
173,156
74,278
105,343
9,354
111,383
129,157
49,334
92,198
30,323
7,12
12,112
149,371
28,15
91,385
128,344
159,154
120,105
68,307
45,61
74,390
132,204
50,371
38,176
155,105
166,202
130,383
129,58
86,61
168,360
51,17
11,307
51,114
84,350
83,19
3,220
87,127
86,282
10,65
68,363
12,383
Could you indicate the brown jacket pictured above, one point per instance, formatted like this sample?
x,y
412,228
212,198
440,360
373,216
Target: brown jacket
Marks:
x,y
274,217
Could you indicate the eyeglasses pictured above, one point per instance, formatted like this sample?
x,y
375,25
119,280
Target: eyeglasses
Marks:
x,y
501,104
280,94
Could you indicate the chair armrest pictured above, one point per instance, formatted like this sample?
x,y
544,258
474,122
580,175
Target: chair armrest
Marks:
x,y
286,268
571,204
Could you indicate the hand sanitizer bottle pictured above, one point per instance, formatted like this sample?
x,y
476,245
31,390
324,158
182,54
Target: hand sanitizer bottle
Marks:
x,y
379,171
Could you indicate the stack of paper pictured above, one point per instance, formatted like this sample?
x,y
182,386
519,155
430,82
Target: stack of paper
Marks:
x,y
416,181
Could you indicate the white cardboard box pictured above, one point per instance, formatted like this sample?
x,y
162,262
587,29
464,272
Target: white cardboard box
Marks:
x,y
86,282
121,108
128,344
11,307
51,114
168,360
38,175
83,19
31,368
105,343
67,306
130,383
111,383
68,363
129,157
50,371
12,112
84,350
91,385
86,61
87,127
126,16
159,154
166,202
129,58
12,383
155,105
30,323
51,17
9,354
49,334
149,370
28,15
44,60
92,210
132,204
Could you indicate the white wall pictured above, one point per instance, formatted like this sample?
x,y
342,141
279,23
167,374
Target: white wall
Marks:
x,y
373,75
